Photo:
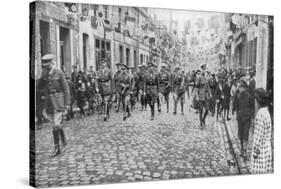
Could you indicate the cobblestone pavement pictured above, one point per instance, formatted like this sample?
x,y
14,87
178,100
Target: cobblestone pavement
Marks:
x,y
169,147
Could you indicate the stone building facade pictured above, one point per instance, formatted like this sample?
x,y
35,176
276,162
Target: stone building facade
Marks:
x,y
70,32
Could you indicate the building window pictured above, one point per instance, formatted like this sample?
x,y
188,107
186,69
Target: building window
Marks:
x,y
103,50
127,56
135,58
121,54
141,59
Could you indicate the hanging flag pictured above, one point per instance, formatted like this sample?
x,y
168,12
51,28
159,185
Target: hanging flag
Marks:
x,y
71,7
94,22
100,18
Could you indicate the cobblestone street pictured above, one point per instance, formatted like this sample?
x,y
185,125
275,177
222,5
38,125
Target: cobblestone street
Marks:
x,y
169,147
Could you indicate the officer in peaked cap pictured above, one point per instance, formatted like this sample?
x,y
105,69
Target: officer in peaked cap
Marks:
x,y
105,81
178,83
164,86
202,95
141,75
58,100
134,91
117,86
126,86
151,87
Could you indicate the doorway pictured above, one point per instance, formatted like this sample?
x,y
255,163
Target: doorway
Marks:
x,y
65,58
44,37
85,50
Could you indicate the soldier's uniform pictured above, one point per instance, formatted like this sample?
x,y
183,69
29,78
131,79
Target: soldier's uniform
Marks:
x,y
58,98
126,83
71,86
141,82
91,90
213,86
134,91
106,87
178,89
164,86
151,88
203,94
117,87
81,94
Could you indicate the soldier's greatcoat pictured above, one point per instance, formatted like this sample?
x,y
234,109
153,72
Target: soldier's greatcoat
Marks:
x,y
105,82
58,91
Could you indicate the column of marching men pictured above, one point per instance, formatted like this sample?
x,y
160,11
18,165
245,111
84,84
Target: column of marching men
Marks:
x,y
223,94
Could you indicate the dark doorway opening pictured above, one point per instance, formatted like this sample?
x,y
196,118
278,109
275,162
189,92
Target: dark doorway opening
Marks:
x,y
44,37
65,58
85,50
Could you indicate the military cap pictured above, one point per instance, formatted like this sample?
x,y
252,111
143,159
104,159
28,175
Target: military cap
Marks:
x,y
163,65
203,66
118,64
141,65
46,59
104,60
150,64
124,66
243,83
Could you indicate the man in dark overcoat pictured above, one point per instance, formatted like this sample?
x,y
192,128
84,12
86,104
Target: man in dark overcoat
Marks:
x,y
57,101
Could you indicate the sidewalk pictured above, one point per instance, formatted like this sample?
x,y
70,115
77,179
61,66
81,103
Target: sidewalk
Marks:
x,y
232,127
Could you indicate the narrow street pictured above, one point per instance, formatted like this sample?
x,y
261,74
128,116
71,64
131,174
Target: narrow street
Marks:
x,y
169,147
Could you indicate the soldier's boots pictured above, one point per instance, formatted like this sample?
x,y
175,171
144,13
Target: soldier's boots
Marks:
x,y
152,112
181,108
175,108
56,142
167,106
63,138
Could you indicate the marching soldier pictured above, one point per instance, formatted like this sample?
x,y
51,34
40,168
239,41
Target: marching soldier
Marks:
x,y
106,86
151,87
164,86
117,86
57,101
213,86
126,84
133,96
81,94
141,82
179,90
202,95
92,88
70,113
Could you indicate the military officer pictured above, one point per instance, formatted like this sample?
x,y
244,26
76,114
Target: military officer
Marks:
x,y
126,87
106,86
141,82
151,87
57,101
178,89
134,78
117,86
213,86
164,86
202,95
